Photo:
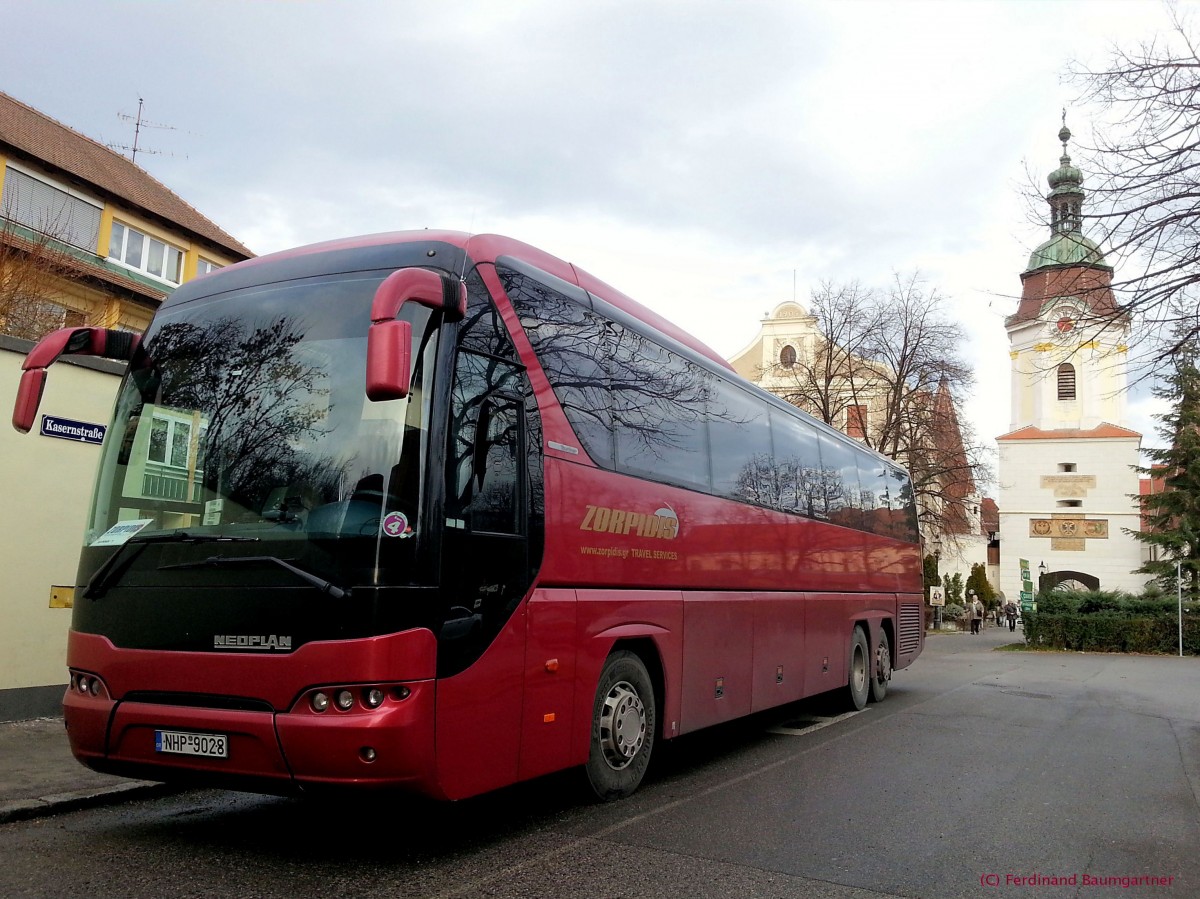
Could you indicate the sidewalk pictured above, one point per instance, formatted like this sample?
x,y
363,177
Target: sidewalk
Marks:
x,y
39,776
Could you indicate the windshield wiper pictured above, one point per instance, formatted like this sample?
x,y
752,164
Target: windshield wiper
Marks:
x,y
217,561
104,576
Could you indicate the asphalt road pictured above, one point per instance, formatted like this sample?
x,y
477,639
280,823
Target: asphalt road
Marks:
x,y
984,772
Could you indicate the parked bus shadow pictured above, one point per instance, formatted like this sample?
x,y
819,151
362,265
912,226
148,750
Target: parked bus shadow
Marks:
x,y
394,829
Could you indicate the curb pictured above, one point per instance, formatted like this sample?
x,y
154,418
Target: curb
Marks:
x,y
56,803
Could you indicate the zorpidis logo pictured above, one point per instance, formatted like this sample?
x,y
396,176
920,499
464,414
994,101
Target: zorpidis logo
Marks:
x,y
663,524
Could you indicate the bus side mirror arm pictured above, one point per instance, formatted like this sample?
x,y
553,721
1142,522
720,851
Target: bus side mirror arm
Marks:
x,y
65,341
389,341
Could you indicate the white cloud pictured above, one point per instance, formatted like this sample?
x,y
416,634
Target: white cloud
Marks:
x,y
706,158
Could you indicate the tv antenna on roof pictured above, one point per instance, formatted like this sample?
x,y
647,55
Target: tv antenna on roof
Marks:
x,y
138,124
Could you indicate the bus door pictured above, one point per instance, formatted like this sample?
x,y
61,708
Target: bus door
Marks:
x,y
485,573
485,567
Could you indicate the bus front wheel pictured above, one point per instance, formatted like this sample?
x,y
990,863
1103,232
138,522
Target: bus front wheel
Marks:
x,y
623,727
858,685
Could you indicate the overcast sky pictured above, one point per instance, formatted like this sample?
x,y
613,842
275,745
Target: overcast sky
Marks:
x,y
710,159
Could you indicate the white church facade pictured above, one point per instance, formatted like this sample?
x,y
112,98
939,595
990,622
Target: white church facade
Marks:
x,y
1068,486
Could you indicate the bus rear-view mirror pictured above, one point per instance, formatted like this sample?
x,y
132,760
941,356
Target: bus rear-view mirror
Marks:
x,y
29,397
389,367
389,341
65,341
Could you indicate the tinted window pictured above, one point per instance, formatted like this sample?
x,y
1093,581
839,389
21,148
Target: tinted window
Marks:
x,y
482,330
798,461
485,383
739,440
839,474
484,442
876,495
571,344
495,501
640,408
903,505
658,409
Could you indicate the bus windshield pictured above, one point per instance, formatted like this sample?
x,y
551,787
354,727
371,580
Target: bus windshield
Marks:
x,y
243,430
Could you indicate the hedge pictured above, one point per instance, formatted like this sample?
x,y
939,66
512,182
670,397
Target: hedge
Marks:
x,y
1107,622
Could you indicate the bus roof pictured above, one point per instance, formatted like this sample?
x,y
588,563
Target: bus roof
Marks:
x,y
490,247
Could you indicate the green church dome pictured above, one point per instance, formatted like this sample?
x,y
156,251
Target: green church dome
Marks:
x,y
1066,248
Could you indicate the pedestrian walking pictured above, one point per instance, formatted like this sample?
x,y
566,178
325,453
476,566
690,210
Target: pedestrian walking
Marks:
x,y
976,611
1010,612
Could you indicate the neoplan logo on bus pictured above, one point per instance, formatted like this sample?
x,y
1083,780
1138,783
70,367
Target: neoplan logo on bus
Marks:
x,y
251,641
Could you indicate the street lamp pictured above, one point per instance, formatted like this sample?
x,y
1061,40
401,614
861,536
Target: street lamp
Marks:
x,y
1042,576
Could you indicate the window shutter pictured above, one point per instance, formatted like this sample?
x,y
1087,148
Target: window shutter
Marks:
x,y
50,211
1066,381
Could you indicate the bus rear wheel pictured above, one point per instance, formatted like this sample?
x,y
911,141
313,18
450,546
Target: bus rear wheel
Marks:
x,y
858,685
881,670
624,719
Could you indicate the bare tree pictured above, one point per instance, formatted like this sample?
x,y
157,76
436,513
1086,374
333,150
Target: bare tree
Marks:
x,y
34,264
896,356
1143,175
829,377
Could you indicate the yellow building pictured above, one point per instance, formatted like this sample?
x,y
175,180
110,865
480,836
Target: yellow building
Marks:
x,y
86,238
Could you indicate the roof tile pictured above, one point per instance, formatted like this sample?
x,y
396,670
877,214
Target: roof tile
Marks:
x,y
1104,431
45,140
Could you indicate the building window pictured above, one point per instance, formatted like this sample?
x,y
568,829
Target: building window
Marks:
x,y
204,266
1066,381
145,254
1070,503
169,439
50,210
787,356
1066,467
856,421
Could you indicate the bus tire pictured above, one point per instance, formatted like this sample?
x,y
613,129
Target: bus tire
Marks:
x,y
624,719
858,682
881,667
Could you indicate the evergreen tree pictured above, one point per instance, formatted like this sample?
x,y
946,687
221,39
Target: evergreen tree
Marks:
x,y
930,564
1171,511
953,585
978,582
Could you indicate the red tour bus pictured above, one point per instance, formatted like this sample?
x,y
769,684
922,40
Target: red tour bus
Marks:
x,y
441,512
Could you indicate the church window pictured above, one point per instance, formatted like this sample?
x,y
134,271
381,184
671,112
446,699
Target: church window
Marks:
x,y
1066,466
1066,381
1070,503
787,356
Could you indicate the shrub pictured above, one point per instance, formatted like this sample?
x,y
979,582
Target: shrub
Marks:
x,y
1106,621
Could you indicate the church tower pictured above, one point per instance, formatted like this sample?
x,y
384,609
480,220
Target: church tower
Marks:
x,y
1067,483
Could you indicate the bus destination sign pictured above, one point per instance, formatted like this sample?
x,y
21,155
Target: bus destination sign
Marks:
x,y
66,429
